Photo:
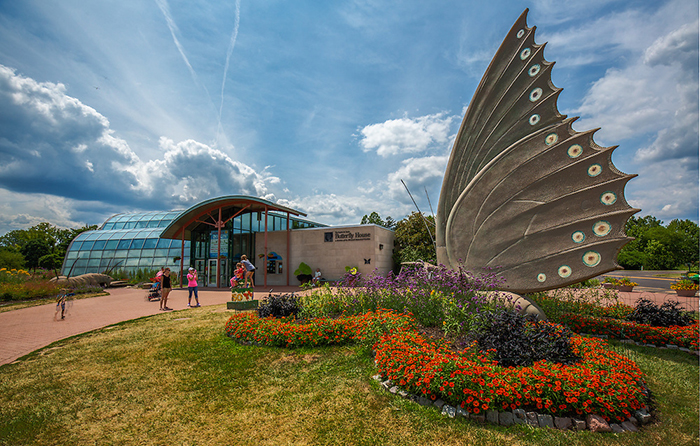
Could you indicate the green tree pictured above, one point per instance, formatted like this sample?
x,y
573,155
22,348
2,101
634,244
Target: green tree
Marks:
x,y
11,258
52,261
413,242
657,246
33,250
375,219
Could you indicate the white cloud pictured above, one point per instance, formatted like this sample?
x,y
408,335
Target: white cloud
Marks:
x,y
417,173
405,136
54,144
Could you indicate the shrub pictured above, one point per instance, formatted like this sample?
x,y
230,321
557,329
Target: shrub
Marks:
x,y
517,341
283,305
668,314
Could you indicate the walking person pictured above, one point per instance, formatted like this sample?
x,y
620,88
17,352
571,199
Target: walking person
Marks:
x,y
192,287
165,278
249,271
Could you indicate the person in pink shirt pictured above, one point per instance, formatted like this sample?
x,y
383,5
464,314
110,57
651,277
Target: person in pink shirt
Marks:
x,y
192,286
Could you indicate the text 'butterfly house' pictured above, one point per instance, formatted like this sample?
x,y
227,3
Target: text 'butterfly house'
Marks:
x,y
523,191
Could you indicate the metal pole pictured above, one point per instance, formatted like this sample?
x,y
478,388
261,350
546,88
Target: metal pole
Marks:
x,y
218,252
265,260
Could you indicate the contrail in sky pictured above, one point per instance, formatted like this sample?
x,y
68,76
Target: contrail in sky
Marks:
x,y
165,9
231,45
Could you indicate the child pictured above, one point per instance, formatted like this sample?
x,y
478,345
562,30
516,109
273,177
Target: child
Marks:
x,y
237,275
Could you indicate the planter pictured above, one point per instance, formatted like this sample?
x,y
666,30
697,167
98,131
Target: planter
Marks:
x,y
624,288
608,286
242,305
686,293
240,294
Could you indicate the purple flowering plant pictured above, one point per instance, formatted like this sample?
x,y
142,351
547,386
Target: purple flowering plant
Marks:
x,y
435,296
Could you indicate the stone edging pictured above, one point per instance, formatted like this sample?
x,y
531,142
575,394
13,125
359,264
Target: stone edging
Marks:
x,y
641,344
594,423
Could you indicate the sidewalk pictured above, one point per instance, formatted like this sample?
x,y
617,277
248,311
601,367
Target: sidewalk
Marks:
x,y
23,331
28,329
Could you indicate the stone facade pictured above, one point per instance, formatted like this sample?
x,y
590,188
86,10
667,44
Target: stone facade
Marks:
x,y
367,247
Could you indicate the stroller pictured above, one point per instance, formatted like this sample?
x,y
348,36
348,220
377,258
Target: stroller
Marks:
x,y
153,292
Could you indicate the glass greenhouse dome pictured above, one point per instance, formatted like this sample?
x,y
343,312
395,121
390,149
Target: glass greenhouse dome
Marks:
x,y
126,242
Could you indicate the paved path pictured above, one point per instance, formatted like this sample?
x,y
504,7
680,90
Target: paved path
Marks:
x,y
28,329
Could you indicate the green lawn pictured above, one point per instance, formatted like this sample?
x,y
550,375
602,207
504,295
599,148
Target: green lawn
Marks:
x,y
175,379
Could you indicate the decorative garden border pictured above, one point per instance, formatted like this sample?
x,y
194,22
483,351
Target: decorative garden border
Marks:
x,y
604,387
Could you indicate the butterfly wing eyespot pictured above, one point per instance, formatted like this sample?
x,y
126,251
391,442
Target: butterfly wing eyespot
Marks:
x,y
522,188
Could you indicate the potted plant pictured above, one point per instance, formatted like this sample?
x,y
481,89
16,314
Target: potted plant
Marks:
x,y
685,288
303,273
625,284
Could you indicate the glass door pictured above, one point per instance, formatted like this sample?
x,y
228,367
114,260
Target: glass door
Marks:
x,y
211,273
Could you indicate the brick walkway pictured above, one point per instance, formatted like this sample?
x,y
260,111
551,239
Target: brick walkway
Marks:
x,y
23,331
28,329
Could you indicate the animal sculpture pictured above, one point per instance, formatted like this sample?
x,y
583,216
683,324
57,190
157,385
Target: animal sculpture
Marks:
x,y
523,191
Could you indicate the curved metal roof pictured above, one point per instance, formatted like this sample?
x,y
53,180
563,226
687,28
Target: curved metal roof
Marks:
x,y
229,204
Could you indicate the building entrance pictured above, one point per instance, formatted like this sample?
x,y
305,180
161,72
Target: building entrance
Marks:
x,y
211,273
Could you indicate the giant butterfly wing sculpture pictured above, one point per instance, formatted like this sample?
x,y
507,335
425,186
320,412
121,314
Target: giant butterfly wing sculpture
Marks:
x,y
523,191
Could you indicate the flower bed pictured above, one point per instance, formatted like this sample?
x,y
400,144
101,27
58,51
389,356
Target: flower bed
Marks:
x,y
681,336
366,328
603,383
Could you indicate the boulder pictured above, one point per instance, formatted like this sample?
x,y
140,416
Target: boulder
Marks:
x,y
91,279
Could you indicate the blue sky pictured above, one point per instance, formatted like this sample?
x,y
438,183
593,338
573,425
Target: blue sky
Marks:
x,y
111,107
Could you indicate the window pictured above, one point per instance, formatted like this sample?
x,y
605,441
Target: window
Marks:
x,y
112,244
86,246
99,245
150,243
163,243
137,243
124,244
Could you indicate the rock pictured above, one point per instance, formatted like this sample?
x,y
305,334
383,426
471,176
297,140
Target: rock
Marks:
x,y
462,412
394,390
643,416
519,414
627,341
672,346
531,419
402,394
439,403
683,349
387,384
506,418
579,425
633,420
545,420
492,416
423,401
377,377
563,423
596,423
449,411
628,426
478,417
650,345
92,279
616,428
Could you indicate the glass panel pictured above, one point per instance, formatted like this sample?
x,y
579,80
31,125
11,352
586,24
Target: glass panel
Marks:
x,y
152,224
160,261
86,246
112,244
146,262
161,252
72,255
164,242
95,254
132,262
141,224
137,243
78,271
134,253
92,235
124,244
151,243
108,226
99,245
148,253
120,254
76,246
118,225
175,252
163,223
94,263
104,236
129,225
